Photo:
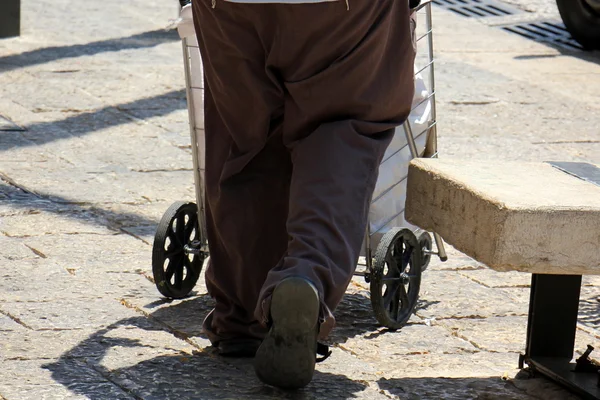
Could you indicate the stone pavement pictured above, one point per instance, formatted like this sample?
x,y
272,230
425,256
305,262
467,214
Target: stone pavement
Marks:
x,y
98,89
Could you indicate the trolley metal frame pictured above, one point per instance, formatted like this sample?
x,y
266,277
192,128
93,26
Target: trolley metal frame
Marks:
x,y
431,149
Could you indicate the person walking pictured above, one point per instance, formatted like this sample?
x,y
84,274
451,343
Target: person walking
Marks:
x,y
301,101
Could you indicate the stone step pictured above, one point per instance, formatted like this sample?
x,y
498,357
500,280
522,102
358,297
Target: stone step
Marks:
x,y
528,217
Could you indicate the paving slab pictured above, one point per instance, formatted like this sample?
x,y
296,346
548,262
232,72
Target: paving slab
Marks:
x,y
92,390
46,223
116,253
505,334
491,388
479,364
589,308
9,325
67,314
36,379
467,299
49,282
491,278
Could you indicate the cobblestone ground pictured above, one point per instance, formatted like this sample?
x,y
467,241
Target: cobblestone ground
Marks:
x,y
98,89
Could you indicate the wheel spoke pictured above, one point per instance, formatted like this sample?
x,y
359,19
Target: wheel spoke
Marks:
x,y
169,271
181,228
178,277
188,264
174,239
403,296
406,256
390,293
395,305
391,262
189,228
173,252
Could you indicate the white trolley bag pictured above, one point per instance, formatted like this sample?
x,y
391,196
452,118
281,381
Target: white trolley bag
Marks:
x,y
395,253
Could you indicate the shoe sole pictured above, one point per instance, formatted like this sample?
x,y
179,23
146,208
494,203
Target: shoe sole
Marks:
x,y
286,358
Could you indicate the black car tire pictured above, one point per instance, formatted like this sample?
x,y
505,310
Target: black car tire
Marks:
x,y
582,21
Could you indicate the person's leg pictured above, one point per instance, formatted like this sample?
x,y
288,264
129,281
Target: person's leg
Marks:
x,y
349,82
247,168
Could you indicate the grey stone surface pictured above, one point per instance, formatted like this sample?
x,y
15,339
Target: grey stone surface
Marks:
x,y
428,366
46,223
463,388
589,308
413,339
490,278
448,295
115,253
8,325
99,89
92,390
68,378
495,334
67,314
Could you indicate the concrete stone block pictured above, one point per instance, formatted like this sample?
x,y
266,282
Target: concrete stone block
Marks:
x,y
518,216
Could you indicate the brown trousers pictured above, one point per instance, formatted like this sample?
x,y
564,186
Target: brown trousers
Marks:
x,y
300,105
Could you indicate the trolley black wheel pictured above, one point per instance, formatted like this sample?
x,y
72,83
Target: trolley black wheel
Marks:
x,y
175,269
426,243
396,277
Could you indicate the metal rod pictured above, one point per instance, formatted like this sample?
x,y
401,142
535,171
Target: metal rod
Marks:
x,y
429,96
386,191
426,130
368,254
198,182
410,140
441,253
429,64
388,221
424,35
429,26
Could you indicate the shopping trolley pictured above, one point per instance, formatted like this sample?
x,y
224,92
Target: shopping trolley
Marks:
x,y
394,253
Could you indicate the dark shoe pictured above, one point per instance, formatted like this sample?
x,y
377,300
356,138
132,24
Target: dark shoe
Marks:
x,y
238,347
286,358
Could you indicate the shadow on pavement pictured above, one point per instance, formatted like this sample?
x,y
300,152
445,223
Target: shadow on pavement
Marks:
x,y
88,122
481,388
355,317
565,45
28,202
48,54
589,56
176,375
589,312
